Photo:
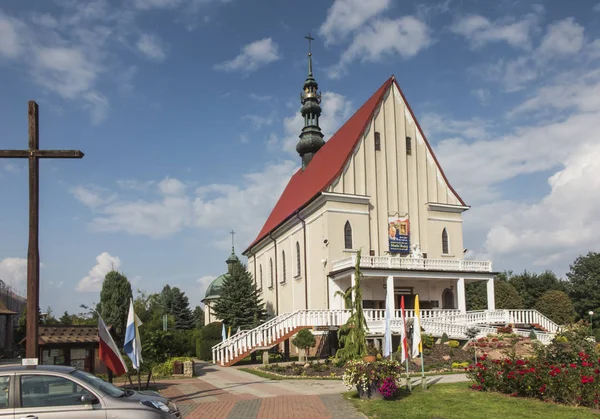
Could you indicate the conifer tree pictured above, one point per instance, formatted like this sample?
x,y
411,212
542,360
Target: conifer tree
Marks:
x,y
239,304
114,303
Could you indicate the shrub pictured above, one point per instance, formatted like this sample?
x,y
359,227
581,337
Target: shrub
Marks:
x,y
557,306
428,341
444,338
532,335
460,364
166,368
304,339
209,336
507,330
453,344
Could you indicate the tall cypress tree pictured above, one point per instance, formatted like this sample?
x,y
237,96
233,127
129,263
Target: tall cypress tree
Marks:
x,y
114,303
239,304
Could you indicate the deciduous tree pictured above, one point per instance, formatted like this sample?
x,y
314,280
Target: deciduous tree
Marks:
x,y
584,279
557,306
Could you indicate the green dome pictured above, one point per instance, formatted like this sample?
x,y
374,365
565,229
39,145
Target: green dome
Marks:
x,y
214,289
232,258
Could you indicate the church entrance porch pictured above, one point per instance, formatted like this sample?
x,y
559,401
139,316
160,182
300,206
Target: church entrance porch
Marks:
x,y
440,284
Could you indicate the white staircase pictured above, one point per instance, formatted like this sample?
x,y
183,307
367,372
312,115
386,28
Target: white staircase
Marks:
x,y
435,322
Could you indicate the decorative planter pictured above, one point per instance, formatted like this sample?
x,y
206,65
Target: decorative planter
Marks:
x,y
372,392
369,358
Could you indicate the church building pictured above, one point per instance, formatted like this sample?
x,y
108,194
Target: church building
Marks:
x,y
376,187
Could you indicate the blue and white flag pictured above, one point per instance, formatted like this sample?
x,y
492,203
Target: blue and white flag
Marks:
x,y
223,333
133,343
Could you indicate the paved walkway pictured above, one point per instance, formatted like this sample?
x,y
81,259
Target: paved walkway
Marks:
x,y
226,393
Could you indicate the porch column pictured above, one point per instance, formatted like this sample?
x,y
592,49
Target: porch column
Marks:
x,y
352,284
460,292
491,299
389,287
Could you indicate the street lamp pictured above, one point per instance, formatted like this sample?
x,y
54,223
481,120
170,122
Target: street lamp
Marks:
x,y
591,313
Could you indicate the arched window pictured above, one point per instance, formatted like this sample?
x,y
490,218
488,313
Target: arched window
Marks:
x,y
348,236
445,242
283,266
271,272
260,270
298,265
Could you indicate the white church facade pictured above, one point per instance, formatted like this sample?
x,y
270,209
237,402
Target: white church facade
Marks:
x,y
374,186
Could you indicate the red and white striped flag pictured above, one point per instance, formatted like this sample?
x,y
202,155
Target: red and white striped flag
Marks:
x,y
109,353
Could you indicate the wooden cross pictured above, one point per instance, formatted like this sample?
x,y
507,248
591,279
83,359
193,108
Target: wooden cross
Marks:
x,y
34,154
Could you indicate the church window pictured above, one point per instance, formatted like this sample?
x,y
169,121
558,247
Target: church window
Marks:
x,y
377,141
271,272
261,282
408,146
298,266
348,235
445,242
283,266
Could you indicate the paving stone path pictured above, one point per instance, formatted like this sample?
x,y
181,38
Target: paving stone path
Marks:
x,y
228,393
224,393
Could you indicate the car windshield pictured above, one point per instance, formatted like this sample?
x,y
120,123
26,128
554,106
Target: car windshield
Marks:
x,y
98,383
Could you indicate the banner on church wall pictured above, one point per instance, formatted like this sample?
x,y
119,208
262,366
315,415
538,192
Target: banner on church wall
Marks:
x,y
399,234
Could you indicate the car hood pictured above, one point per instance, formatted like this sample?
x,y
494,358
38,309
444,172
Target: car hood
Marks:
x,y
144,395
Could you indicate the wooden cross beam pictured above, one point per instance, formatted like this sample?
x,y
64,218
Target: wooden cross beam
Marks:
x,y
33,255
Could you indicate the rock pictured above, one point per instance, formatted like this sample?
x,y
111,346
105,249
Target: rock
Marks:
x,y
306,366
446,357
265,358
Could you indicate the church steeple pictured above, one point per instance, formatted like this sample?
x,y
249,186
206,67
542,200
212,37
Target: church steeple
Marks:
x,y
311,138
232,257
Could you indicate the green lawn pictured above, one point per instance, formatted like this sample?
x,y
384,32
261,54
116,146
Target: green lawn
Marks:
x,y
447,401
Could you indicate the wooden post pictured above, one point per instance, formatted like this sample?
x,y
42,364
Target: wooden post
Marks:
x,y
33,255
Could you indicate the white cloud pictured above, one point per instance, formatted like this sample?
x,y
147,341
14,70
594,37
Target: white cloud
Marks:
x,y
480,31
253,56
105,263
405,36
345,16
10,34
483,95
261,98
563,224
596,8
564,37
171,186
258,121
13,271
152,47
92,197
209,207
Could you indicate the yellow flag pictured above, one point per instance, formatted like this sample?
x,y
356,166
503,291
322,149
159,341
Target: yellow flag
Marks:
x,y
417,345
229,332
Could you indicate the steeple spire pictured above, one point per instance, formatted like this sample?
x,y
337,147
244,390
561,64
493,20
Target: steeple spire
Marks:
x,y
232,257
311,138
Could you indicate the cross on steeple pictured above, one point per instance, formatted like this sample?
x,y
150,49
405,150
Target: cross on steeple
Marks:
x,y
310,38
232,240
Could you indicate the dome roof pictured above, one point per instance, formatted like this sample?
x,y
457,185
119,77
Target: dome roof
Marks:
x,y
214,289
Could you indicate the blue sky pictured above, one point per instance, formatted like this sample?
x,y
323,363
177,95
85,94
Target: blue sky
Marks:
x,y
187,111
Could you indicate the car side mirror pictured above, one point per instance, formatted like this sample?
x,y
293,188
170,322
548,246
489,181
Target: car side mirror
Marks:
x,y
88,399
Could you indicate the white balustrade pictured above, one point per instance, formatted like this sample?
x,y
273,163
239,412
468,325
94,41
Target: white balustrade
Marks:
x,y
435,322
409,263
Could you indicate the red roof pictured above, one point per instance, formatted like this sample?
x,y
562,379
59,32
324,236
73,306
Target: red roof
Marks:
x,y
329,162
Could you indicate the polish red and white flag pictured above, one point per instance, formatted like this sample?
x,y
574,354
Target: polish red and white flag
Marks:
x,y
109,353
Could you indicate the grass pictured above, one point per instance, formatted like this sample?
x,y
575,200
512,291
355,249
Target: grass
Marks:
x,y
449,401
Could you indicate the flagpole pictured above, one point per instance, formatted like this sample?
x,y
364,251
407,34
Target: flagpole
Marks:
x,y
423,380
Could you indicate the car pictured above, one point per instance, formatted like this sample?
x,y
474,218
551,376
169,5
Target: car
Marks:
x,y
62,392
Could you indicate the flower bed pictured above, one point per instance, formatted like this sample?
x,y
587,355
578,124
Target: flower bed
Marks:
x,y
310,369
574,383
